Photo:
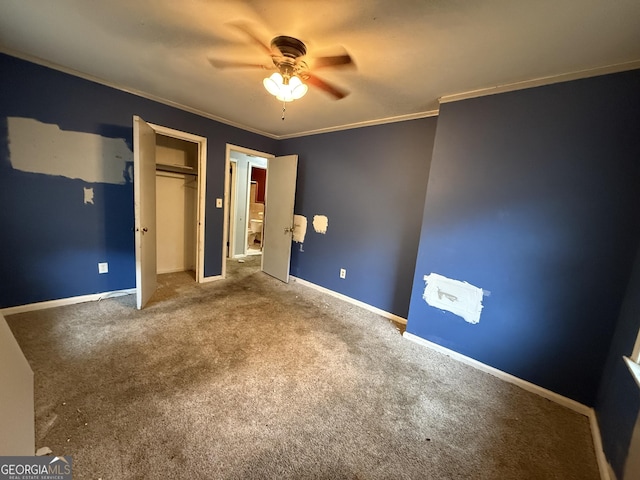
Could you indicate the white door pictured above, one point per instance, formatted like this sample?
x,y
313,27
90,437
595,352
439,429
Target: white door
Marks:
x,y
278,216
144,197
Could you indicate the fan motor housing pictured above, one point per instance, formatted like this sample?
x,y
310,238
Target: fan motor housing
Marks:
x,y
289,47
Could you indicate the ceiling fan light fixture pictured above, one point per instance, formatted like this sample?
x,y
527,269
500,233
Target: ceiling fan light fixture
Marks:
x,y
272,83
285,89
298,89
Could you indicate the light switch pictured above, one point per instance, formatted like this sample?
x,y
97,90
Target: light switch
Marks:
x,y
218,203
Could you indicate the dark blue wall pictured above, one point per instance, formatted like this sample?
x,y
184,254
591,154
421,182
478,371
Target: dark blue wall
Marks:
x,y
618,402
50,242
533,195
370,183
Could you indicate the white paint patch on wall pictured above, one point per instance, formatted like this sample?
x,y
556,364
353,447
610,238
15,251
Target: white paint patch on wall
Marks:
x,y
38,147
459,298
299,228
320,223
88,195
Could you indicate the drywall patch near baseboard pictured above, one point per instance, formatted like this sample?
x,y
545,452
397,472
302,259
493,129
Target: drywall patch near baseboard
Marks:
x,y
44,148
459,298
299,228
320,224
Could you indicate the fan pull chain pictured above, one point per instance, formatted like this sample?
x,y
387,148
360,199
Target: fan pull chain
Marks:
x,y
284,109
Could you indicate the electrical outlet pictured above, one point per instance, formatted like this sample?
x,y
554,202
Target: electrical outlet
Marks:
x,y
103,267
343,273
218,203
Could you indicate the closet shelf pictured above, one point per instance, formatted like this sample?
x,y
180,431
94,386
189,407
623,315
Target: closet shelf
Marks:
x,y
176,169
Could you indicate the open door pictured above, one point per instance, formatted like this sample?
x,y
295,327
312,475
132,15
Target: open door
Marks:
x,y
144,196
278,216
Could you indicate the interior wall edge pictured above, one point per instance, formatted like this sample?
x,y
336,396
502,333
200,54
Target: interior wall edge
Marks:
x,y
17,410
606,472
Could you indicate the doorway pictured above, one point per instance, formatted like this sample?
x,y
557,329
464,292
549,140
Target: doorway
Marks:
x,y
279,198
256,204
245,191
183,156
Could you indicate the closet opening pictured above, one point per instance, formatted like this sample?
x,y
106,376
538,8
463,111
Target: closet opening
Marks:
x,y
176,205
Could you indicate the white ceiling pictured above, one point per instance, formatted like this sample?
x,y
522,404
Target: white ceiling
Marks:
x,y
408,53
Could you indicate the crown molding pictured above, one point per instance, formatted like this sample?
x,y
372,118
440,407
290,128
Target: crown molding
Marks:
x,y
504,88
132,91
539,82
367,123
201,113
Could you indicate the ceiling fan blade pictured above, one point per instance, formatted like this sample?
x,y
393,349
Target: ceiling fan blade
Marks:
x,y
332,61
332,90
248,30
233,64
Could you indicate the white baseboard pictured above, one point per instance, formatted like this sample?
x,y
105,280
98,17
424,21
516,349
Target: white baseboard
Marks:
x,y
353,301
176,270
577,407
66,301
531,387
212,279
80,299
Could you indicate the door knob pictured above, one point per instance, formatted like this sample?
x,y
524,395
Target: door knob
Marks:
x,y
288,230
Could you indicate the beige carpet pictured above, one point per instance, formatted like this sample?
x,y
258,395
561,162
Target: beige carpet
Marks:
x,y
251,378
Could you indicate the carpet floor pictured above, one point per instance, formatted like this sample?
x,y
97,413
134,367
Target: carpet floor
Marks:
x,y
250,378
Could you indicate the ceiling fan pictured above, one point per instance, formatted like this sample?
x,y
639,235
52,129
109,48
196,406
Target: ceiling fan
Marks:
x,y
293,74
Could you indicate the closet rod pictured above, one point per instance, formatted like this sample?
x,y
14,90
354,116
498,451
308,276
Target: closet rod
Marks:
x,y
176,169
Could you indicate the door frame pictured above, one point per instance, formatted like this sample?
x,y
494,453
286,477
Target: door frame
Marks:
x,y
234,201
250,166
233,173
202,189
227,189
